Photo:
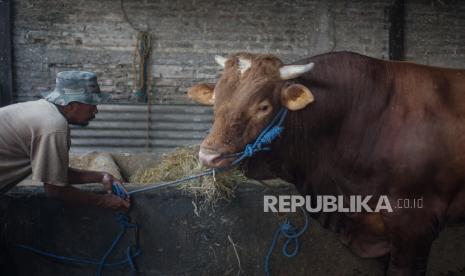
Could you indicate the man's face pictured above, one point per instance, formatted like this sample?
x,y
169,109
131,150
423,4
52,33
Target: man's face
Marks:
x,y
81,113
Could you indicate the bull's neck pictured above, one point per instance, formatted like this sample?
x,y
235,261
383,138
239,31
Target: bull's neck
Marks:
x,y
347,93
308,132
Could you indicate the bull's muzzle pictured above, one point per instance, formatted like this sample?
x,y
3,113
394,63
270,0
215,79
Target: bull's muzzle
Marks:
x,y
213,159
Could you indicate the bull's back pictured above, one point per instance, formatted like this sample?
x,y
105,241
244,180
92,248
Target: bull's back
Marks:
x,y
428,88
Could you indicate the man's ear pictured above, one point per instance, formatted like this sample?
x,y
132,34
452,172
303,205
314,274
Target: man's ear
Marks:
x,y
296,96
202,93
68,109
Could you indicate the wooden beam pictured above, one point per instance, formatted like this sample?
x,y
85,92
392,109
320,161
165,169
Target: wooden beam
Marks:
x,y
396,30
6,75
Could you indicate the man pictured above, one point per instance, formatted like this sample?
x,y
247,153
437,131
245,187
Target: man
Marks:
x,y
35,138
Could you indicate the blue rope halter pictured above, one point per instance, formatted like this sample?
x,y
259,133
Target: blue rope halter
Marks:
x,y
271,132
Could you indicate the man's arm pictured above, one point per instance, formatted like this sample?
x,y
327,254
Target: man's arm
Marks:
x,y
77,196
73,195
78,176
49,162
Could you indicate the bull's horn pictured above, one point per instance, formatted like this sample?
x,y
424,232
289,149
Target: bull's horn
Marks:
x,y
244,64
221,60
293,71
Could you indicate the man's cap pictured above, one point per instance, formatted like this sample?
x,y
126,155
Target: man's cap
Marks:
x,y
76,86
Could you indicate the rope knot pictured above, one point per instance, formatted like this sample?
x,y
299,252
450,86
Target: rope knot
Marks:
x,y
288,229
118,190
249,150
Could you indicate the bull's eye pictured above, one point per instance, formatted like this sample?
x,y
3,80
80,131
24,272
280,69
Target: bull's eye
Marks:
x,y
264,107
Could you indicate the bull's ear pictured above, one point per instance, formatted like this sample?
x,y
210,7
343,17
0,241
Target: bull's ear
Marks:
x,y
296,96
202,93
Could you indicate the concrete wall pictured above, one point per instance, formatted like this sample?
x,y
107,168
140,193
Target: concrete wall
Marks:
x,y
50,36
175,241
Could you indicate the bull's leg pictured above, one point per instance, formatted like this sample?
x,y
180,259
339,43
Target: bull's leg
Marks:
x,y
411,232
409,258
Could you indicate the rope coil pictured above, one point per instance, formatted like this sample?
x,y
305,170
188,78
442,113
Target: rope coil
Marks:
x,y
291,234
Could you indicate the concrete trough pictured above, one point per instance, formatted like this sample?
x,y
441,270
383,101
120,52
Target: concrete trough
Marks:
x,y
231,239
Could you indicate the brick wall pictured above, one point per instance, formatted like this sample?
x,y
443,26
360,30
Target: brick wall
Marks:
x,y
435,32
50,36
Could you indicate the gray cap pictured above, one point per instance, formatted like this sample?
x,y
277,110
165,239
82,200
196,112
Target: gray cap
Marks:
x,y
76,86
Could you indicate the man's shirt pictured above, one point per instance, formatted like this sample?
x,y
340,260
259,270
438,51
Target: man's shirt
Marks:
x,y
34,138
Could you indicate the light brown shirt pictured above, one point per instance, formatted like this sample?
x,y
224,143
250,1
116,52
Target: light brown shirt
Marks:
x,y
34,137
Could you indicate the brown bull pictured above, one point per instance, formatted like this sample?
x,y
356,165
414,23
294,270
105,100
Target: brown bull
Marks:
x,y
356,126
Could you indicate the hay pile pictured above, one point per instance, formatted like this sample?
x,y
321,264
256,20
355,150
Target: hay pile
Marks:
x,y
184,162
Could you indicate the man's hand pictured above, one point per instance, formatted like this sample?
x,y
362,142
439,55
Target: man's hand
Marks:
x,y
108,180
114,202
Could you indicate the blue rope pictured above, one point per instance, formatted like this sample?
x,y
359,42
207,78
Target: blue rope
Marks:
x,y
173,183
271,132
131,251
79,261
292,234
